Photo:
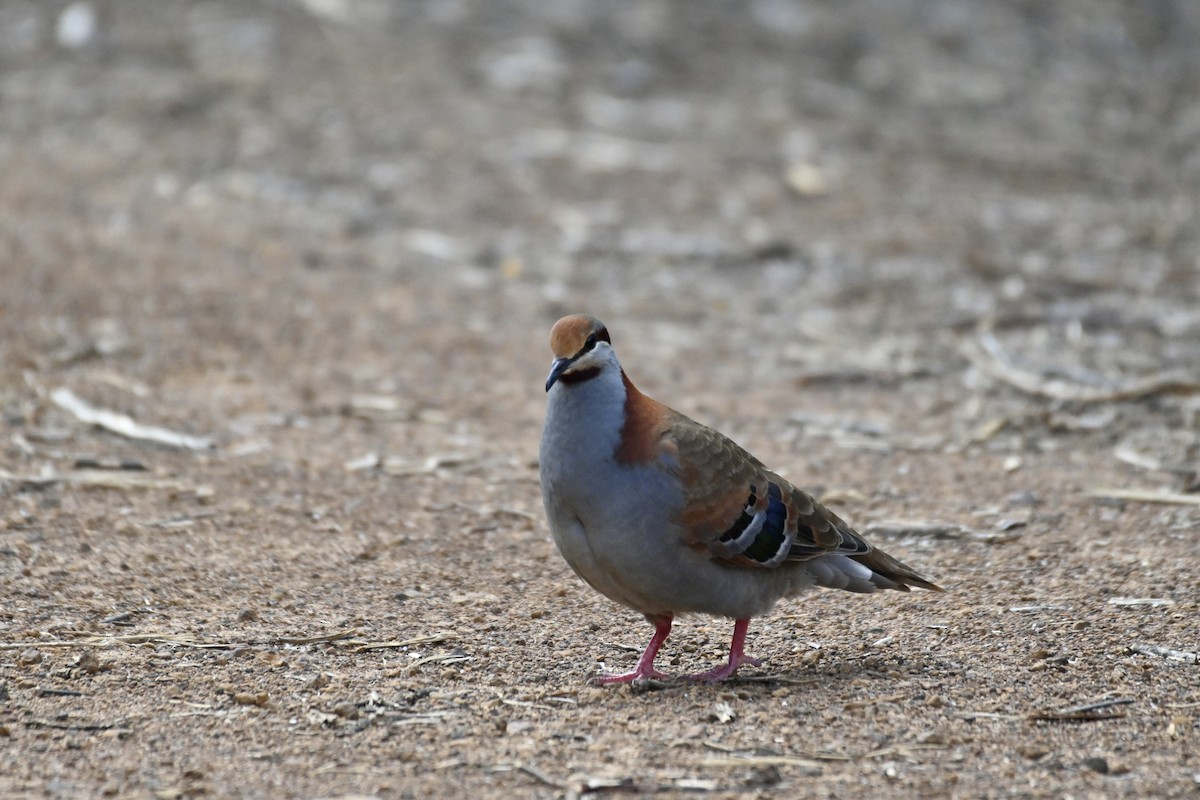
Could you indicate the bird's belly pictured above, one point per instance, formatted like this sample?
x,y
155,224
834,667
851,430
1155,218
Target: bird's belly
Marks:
x,y
577,549
655,572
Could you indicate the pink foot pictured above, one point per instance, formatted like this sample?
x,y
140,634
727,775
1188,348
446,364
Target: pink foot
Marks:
x,y
639,674
726,670
645,667
736,658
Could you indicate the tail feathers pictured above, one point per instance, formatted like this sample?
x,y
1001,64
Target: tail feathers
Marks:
x,y
866,573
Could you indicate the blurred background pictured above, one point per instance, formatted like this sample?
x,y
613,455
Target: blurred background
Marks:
x,y
936,260
800,170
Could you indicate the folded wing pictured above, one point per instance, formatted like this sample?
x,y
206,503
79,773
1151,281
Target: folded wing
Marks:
x,y
746,516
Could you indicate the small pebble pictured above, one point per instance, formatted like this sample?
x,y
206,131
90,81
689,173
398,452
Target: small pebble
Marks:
x,y
721,712
76,25
1032,751
932,738
807,179
89,664
1024,498
346,710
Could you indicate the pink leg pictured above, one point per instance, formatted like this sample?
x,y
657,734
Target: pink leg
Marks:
x,y
645,666
736,657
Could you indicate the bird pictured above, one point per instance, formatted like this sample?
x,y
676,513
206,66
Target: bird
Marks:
x,y
668,517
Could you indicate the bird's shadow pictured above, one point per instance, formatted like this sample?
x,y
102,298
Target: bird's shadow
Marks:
x,y
827,680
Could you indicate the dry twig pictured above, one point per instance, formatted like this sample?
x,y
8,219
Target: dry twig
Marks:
x,y
989,355
124,425
105,479
986,715
1154,602
733,755
74,726
456,657
445,636
1166,652
1088,712
760,761
329,637
1146,496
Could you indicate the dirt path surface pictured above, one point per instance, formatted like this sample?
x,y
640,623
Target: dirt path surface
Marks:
x,y
938,263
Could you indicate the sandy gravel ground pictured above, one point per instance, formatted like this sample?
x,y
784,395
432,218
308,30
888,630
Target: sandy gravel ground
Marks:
x,y
275,285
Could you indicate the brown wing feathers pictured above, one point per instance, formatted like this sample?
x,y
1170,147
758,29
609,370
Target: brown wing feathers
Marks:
x,y
747,516
895,571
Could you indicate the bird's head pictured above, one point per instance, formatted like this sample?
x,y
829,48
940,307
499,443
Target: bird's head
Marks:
x,y
581,349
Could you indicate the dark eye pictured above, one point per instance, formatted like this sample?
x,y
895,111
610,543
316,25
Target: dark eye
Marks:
x,y
589,344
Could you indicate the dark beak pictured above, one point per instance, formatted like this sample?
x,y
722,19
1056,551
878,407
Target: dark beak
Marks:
x,y
556,369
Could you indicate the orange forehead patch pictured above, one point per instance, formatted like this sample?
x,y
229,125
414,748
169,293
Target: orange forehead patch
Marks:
x,y
569,334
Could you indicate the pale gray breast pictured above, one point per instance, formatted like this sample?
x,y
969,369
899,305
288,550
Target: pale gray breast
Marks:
x,y
581,432
610,521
